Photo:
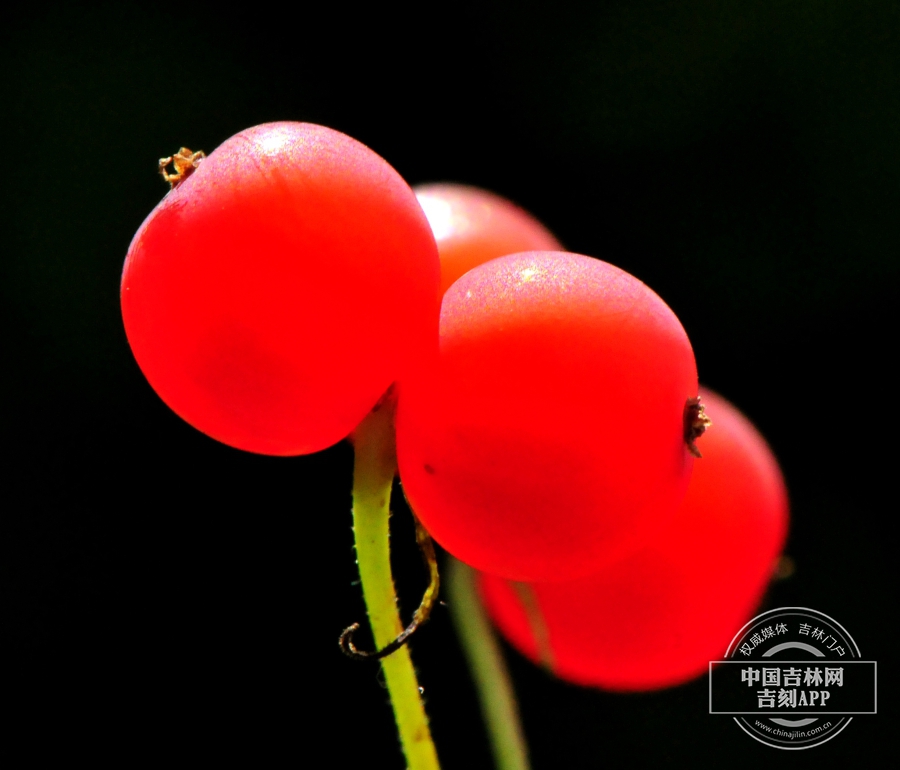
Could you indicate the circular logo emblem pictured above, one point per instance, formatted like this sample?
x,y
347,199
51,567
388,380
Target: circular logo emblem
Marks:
x,y
793,678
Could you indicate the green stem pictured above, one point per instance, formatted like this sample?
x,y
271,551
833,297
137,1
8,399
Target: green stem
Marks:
x,y
492,680
375,465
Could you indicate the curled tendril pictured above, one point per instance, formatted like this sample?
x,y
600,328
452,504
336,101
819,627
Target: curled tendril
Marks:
x,y
426,546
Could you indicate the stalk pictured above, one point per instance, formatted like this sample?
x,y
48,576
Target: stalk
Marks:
x,y
375,465
488,667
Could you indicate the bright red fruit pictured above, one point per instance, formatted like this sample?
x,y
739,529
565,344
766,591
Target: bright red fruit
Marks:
x,y
472,226
548,436
657,618
275,294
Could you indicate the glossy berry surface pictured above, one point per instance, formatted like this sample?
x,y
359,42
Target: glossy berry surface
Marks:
x,y
657,618
472,225
548,436
275,294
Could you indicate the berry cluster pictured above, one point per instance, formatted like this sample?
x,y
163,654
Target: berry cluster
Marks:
x,y
546,409
655,616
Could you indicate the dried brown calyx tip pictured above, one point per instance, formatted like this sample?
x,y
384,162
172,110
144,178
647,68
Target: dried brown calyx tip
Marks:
x,y
695,424
184,162
784,567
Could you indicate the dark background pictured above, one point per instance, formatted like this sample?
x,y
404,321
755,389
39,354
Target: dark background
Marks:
x,y
739,157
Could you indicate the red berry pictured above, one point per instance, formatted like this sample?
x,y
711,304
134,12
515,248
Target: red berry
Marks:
x,y
657,618
548,436
472,226
275,294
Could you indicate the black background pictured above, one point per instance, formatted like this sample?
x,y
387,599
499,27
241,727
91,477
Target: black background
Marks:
x,y
739,157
